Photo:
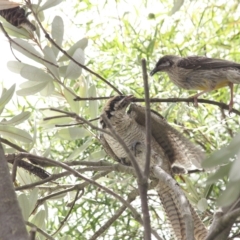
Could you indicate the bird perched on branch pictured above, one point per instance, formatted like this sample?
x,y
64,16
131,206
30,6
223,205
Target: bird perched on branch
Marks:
x,y
168,148
18,18
200,73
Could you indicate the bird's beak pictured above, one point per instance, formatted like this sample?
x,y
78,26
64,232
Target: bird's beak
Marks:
x,y
153,71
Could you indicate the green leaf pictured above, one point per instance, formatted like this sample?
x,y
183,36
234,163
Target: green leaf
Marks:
x,y
97,155
48,90
39,219
234,171
17,119
229,195
15,133
79,150
15,66
223,155
80,44
33,197
202,204
73,70
74,105
220,173
73,133
24,205
57,33
26,49
7,96
50,56
49,4
30,88
14,31
35,74
93,105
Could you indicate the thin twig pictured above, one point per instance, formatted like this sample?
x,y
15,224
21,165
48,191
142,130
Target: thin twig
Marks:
x,y
25,49
143,182
71,58
40,231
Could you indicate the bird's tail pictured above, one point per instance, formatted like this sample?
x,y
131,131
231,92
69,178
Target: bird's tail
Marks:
x,y
173,211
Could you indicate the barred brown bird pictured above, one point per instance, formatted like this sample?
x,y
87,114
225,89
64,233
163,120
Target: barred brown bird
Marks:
x,y
17,17
168,147
200,73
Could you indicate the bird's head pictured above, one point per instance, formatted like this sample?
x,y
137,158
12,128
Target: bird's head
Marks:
x,y
164,64
116,106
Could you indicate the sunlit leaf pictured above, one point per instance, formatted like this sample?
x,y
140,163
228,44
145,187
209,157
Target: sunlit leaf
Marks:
x,y
24,205
48,90
49,4
202,204
57,33
33,197
74,105
27,49
14,31
233,190
74,70
35,74
93,105
15,133
15,66
50,56
30,88
177,6
17,119
97,155
80,44
219,173
7,96
39,219
73,133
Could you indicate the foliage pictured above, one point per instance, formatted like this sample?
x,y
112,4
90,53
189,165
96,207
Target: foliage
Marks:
x,y
119,34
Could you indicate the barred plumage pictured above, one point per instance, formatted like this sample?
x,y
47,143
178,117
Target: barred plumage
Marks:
x,y
17,17
168,147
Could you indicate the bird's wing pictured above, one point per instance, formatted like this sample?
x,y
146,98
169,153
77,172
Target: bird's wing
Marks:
x,y
180,151
205,63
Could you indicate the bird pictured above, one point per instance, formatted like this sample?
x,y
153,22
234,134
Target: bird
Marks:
x,y
18,18
200,73
168,148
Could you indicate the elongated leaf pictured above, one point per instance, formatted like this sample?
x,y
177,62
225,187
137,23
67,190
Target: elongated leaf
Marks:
x,y
15,133
73,133
80,44
31,89
49,4
50,56
17,119
97,155
33,199
35,74
48,90
15,66
39,219
74,105
24,205
57,33
14,31
220,173
26,49
7,96
229,195
234,172
79,150
93,105
73,70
